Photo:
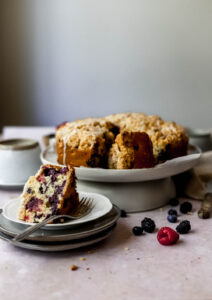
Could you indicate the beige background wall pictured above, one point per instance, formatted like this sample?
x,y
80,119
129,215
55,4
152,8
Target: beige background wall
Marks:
x,y
67,59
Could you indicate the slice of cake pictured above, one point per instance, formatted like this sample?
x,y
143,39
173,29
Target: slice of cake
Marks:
x,y
131,150
52,191
84,142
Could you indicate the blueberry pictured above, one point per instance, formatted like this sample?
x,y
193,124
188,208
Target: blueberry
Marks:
x,y
185,207
172,212
137,230
41,190
63,170
29,190
173,201
123,213
172,218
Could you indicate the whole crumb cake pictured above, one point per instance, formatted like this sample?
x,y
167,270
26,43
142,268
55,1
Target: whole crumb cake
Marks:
x,y
131,150
52,191
96,142
85,142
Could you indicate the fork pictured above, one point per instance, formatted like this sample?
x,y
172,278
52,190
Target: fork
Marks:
x,y
84,207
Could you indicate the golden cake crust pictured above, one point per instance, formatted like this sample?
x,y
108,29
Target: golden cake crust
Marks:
x,y
84,142
169,139
89,142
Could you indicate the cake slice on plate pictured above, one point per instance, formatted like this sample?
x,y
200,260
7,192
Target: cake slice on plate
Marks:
x,y
52,191
131,150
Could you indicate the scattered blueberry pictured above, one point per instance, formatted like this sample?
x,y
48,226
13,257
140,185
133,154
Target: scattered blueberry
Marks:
x,y
185,207
172,212
173,201
183,227
148,225
137,230
123,213
172,218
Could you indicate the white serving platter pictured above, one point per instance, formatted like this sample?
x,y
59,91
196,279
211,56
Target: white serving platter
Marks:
x,y
169,168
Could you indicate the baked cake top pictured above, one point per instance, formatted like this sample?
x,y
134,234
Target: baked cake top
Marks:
x,y
160,131
83,133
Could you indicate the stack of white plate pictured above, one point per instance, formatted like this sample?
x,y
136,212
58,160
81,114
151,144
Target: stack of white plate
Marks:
x,y
92,228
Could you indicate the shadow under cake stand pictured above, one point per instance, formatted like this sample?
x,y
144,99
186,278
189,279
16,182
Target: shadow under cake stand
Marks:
x,y
133,190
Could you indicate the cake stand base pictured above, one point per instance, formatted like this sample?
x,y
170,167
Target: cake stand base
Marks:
x,y
133,196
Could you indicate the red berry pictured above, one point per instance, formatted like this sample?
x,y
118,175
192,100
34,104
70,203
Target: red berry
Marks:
x,y
167,236
41,178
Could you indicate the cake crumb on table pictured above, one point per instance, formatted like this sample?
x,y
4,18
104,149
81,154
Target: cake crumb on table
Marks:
x,y
82,258
73,267
88,269
126,248
90,252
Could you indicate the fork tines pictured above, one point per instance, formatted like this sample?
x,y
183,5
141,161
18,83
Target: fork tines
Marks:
x,y
85,205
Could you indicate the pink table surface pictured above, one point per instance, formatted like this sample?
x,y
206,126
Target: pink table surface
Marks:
x,y
121,267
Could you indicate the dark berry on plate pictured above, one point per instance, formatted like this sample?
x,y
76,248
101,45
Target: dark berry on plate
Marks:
x,y
172,218
173,201
185,207
148,225
172,212
123,213
183,227
137,230
167,236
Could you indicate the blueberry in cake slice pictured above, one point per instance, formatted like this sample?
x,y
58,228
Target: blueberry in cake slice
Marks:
x,y
52,191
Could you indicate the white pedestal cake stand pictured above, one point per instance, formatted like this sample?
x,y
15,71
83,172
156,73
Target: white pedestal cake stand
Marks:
x,y
135,189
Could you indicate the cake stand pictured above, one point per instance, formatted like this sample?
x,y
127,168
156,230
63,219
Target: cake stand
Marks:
x,y
135,189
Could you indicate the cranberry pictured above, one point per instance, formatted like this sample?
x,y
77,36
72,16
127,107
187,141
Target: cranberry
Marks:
x,y
167,236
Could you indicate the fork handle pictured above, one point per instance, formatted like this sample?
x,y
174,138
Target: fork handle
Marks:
x,y
33,228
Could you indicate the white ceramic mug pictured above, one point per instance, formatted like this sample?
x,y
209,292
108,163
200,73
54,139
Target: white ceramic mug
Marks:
x,y
200,137
19,159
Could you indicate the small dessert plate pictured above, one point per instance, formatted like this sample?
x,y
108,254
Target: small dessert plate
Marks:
x,y
73,233
101,206
56,247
